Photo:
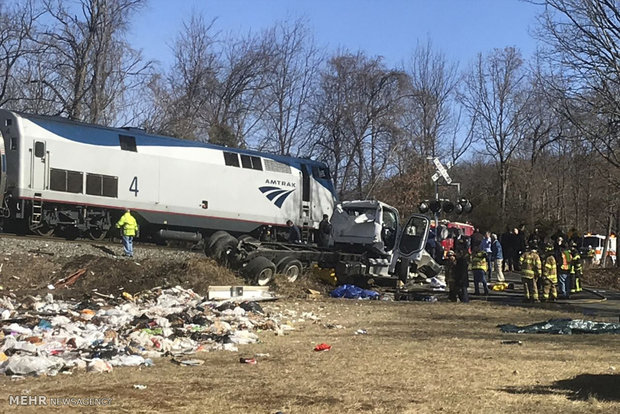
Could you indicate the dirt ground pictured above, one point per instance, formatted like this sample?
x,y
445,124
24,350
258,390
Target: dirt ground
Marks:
x,y
416,357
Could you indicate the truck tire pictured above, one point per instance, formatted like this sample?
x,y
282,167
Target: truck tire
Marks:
x,y
223,247
290,267
248,238
259,270
212,240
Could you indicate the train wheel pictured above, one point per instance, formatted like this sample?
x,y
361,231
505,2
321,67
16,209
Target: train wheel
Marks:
x,y
97,233
290,267
260,270
42,229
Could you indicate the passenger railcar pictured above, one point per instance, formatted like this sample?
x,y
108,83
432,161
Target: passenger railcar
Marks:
x,y
76,177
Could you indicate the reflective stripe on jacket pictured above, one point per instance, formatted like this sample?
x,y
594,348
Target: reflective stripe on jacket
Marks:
x,y
479,261
128,223
530,265
576,266
550,271
566,260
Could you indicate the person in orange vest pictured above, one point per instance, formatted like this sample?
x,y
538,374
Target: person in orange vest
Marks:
x,y
530,271
479,266
563,259
549,276
130,228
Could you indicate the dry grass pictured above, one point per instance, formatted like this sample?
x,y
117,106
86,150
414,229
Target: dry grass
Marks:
x,y
416,358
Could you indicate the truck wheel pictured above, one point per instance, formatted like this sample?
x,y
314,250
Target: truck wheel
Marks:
x,y
290,267
210,243
248,238
260,270
223,247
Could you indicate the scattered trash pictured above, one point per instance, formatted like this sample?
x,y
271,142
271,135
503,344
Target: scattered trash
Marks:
x,y
262,355
313,294
353,292
71,279
47,336
251,361
51,287
361,332
322,347
127,296
139,386
564,327
99,365
333,326
189,362
512,343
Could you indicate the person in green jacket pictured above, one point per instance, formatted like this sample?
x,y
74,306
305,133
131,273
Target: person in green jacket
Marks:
x,y
130,228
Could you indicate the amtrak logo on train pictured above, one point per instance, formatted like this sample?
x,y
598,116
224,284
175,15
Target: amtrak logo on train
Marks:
x,y
277,195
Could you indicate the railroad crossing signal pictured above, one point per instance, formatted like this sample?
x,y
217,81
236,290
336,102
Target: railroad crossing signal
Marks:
x,y
441,171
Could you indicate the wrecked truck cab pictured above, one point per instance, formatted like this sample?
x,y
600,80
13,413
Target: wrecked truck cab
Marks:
x,y
365,226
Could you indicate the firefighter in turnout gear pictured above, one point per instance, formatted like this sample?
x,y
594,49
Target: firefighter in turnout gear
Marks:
x,y
576,269
549,276
530,272
479,267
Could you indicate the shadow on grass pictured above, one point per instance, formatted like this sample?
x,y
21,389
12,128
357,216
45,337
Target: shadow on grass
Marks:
x,y
603,387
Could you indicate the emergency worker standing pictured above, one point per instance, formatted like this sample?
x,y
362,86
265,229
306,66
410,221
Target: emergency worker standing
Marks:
x,y
479,268
325,231
549,276
564,276
530,271
576,269
460,272
129,227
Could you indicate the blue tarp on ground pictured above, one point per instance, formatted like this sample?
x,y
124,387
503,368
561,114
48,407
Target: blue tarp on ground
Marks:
x,y
353,292
564,327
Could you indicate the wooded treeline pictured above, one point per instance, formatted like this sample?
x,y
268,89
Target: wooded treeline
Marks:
x,y
533,142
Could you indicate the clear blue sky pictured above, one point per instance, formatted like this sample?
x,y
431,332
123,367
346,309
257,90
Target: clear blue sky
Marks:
x,y
390,28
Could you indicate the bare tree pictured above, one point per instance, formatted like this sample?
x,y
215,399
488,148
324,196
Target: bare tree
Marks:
x,y
16,25
429,99
584,44
357,109
87,66
495,94
293,66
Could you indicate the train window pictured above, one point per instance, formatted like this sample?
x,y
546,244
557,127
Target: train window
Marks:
x,y
110,186
39,149
231,158
67,181
320,172
128,143
58,180
246,162
256,164
251,162
102,185
93,184
8,122
75,182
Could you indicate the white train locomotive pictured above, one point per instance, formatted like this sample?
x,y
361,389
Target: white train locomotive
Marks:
x,y
58,174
